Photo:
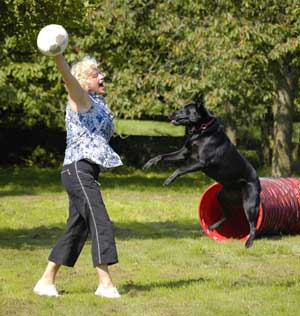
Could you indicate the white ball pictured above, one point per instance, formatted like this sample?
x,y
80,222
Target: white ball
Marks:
x,y
52,39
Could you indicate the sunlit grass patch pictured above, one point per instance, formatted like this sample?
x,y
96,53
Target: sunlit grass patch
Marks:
x,y
168,266
148,128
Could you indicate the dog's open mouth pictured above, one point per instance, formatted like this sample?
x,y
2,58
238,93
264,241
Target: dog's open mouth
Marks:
x,y
179,121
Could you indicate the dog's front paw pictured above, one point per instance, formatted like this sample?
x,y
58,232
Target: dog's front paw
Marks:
x,y
151,162
147,165
168,181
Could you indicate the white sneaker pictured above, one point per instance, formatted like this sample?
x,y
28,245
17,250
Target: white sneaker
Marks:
x,y
47,290
109,292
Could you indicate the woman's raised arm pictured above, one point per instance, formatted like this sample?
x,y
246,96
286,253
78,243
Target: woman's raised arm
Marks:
x,y
79,97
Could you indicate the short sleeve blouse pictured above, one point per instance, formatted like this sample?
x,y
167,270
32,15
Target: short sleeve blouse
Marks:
x,y
88,135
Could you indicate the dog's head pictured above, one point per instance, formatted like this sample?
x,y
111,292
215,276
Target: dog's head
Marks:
x,y
191,114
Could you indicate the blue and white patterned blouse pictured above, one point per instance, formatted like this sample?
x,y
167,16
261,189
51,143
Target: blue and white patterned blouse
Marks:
x,y
88,135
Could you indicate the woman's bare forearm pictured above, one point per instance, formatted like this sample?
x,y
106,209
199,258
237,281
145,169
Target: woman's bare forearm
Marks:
x,y
75,91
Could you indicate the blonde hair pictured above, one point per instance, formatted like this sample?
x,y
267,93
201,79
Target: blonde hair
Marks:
x,y
80,70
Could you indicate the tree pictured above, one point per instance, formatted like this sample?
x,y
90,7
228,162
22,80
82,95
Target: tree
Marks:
x,y
242,55
276,36
30,91
246,55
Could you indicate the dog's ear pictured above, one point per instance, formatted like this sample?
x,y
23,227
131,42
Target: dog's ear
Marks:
x,y
199,99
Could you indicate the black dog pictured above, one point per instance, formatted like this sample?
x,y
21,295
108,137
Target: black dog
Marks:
x,y
211,151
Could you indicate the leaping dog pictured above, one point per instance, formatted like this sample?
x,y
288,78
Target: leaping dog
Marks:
x,y
211,151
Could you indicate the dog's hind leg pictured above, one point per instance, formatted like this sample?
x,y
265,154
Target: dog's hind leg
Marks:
x,y
251,200
223,201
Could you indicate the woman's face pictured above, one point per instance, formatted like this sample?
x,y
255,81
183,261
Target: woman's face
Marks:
x,y
96,81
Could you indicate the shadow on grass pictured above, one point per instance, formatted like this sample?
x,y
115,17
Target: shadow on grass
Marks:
x,y
156,230
31,181
132,288
19,181
40,237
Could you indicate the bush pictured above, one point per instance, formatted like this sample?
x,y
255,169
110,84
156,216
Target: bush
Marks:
x,y
41,158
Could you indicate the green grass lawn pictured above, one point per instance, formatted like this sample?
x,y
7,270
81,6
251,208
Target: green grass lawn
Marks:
x,y
167,265
147,128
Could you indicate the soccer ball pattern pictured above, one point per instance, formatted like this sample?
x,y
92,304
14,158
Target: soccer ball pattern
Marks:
x,y
52,39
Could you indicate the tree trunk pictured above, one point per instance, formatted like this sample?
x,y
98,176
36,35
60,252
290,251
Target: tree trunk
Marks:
x,y
231,133
266,139
283,109
230,127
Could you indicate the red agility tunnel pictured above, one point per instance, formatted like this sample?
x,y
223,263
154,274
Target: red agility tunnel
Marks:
x,y
279,211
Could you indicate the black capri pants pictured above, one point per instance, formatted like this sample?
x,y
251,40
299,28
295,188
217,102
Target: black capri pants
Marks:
x,y
87,216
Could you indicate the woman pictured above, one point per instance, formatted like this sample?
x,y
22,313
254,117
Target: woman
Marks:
x,y
89,125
